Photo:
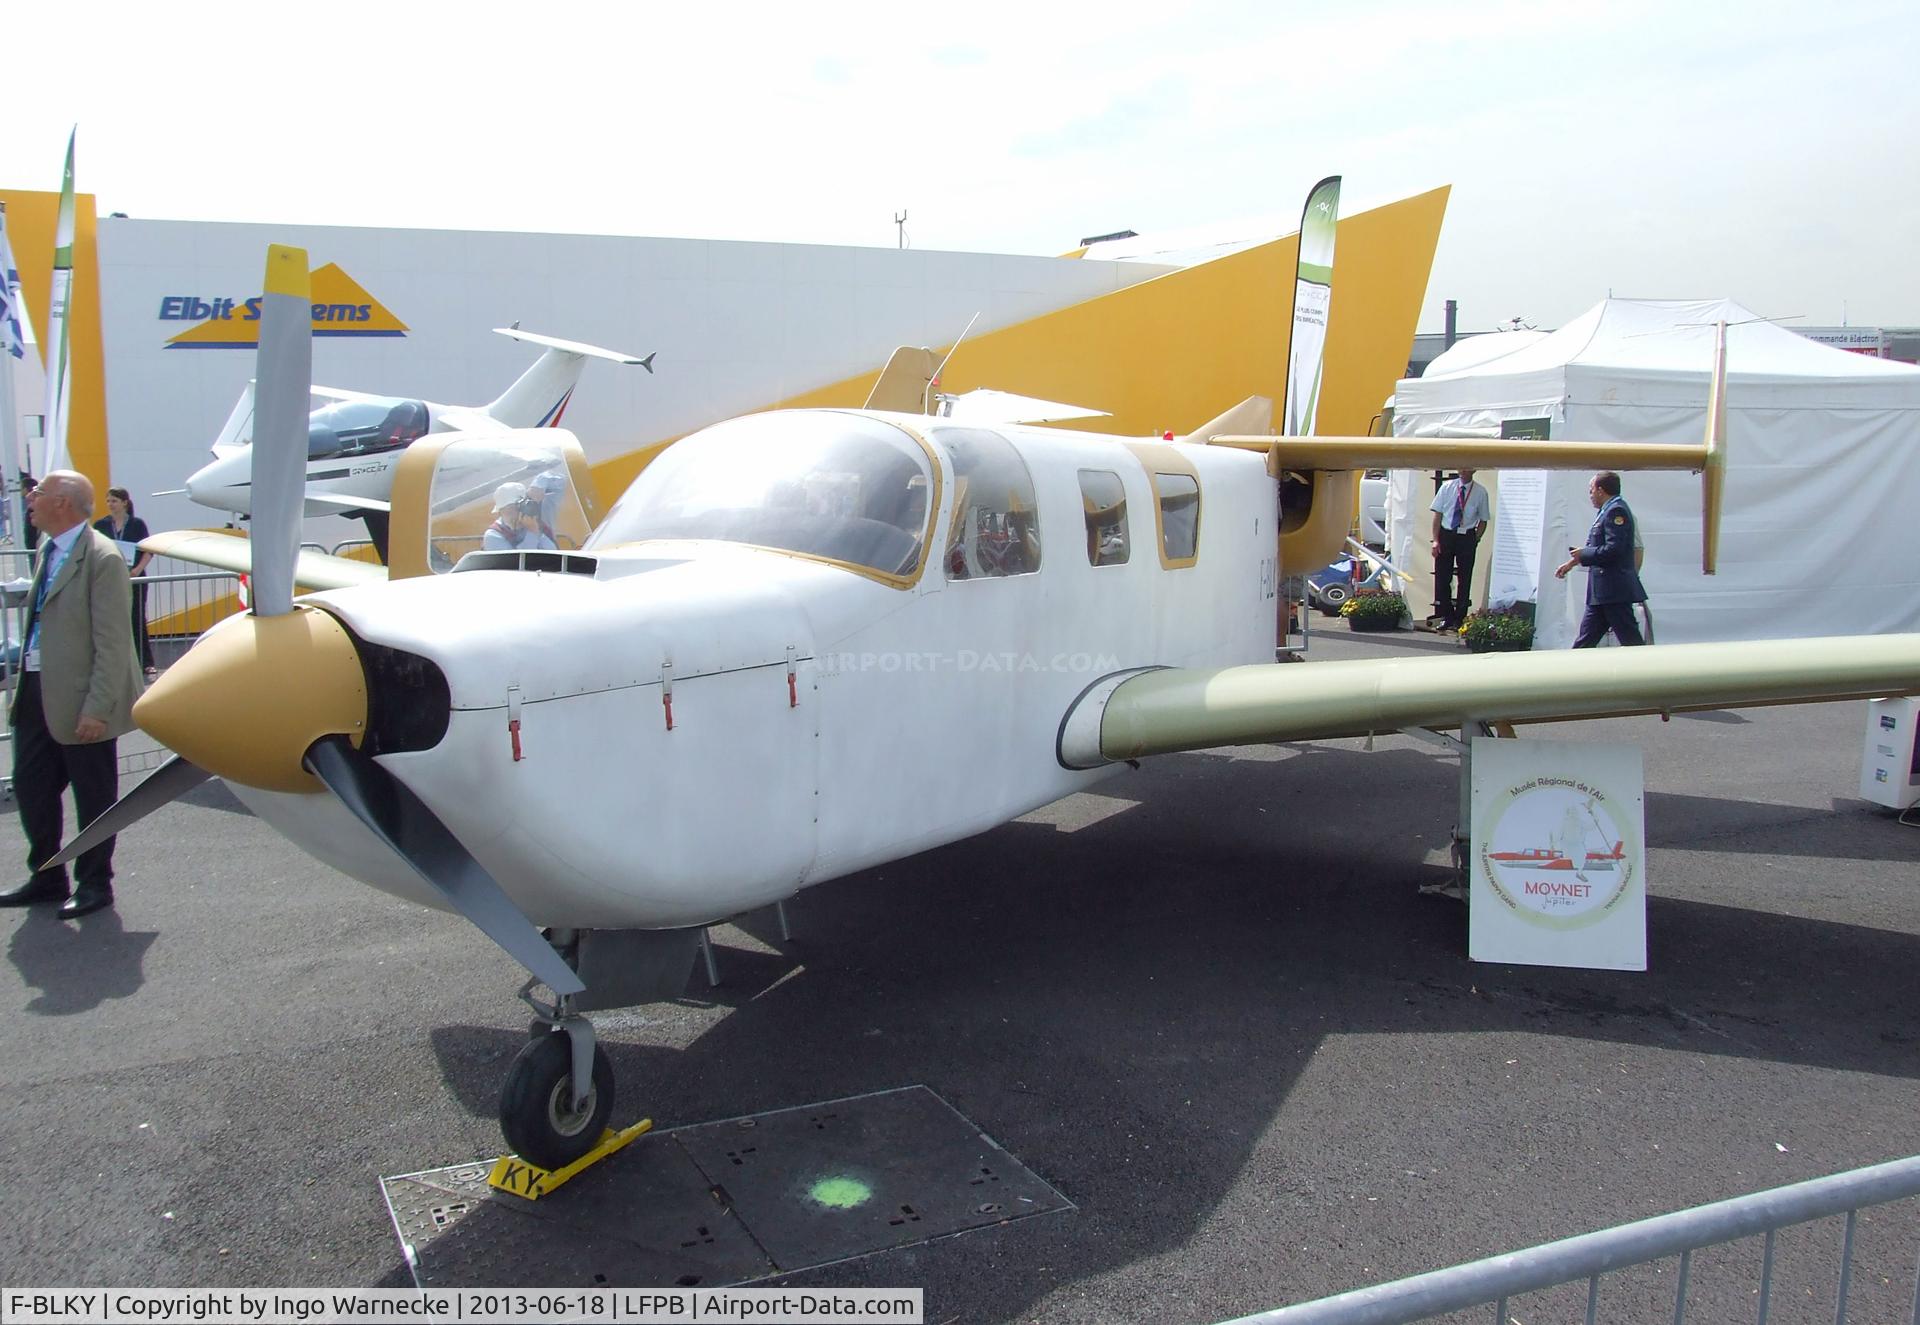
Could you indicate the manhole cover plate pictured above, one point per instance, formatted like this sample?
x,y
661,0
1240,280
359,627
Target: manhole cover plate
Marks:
x,y
726,1202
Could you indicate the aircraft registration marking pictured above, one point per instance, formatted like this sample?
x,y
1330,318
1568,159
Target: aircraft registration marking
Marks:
x,y
516,1177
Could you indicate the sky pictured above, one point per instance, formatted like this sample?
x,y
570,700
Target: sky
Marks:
x,y
1764,151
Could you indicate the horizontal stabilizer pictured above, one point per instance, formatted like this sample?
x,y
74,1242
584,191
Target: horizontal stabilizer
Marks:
x,y
312,570
1173,709
574,347
1343,453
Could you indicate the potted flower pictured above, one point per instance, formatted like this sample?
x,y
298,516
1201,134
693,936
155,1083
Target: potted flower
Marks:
x,y
1499,630
1374,609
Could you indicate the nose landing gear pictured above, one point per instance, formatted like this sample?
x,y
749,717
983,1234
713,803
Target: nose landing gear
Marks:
x,y
558,1094
547,1121
559,1091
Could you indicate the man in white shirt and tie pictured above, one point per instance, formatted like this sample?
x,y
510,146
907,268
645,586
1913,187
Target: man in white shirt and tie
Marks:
x,y
79,678
1459,518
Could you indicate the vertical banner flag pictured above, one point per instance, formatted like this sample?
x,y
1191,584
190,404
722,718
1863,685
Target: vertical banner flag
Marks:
x,y
11,340
59,361
1312,295
13,343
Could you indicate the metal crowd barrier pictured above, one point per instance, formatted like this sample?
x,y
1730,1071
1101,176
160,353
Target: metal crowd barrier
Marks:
x,y
1497,1279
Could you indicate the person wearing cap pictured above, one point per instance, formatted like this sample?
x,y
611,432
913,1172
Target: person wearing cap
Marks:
x,y
516,522
546,488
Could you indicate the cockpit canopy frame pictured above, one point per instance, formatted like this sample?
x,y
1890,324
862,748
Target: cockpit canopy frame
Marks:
x,y
842,488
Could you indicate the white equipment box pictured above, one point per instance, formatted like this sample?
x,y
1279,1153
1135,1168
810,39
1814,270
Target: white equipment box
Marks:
x,y
1890,761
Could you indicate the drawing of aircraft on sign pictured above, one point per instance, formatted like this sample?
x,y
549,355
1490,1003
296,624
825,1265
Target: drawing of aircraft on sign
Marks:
x,y
1547,858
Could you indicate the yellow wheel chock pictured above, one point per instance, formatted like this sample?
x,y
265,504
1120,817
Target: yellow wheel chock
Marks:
x,y
516,1177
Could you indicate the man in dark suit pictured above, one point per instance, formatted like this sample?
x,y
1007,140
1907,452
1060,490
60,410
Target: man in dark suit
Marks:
x,y
78,681
1613,585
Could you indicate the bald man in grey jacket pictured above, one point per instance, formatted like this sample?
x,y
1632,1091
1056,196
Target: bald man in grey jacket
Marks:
x,y
79,678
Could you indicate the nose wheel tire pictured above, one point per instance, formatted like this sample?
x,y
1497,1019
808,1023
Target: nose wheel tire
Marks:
x,y
537,1115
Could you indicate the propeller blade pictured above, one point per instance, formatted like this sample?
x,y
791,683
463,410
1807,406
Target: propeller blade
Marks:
x,y
168,782
402,820
283,372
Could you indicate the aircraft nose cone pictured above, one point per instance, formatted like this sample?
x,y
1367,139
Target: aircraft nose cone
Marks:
x,y
251,697
215,484
201,482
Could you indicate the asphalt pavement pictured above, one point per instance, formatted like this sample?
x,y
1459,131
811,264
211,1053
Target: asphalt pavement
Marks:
x,y
1208,1004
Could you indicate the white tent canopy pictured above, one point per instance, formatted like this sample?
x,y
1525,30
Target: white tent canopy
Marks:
x,y
1475,352
1823,482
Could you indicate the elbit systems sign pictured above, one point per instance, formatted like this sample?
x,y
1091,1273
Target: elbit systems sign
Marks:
x,y
340,308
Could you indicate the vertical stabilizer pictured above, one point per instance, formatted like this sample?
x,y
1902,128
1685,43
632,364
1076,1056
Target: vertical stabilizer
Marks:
x,y
540,395
903,384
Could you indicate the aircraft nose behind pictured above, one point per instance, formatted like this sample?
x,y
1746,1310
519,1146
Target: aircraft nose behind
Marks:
x,y
223,483
253,695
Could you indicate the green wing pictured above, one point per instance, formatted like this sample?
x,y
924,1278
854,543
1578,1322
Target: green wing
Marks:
x,y
1172,709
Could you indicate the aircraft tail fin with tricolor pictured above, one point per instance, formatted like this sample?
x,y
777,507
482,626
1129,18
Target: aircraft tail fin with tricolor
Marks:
x,y
539,396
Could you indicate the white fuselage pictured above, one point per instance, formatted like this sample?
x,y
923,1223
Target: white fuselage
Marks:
x,y
916,714
225,483
362,467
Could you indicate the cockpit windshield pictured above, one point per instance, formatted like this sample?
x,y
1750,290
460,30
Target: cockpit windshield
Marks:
x,y
841,487
364,427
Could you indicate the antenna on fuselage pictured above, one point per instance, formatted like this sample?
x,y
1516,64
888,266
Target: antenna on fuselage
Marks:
x,y
926,402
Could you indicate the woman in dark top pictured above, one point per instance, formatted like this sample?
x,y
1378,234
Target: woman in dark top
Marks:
x,y
123,526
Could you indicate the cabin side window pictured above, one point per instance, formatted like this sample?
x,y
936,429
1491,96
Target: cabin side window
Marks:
x,y
1105,502
995,527
1179,497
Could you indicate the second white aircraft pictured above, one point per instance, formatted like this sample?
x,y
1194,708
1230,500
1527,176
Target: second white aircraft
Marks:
x,y
355,442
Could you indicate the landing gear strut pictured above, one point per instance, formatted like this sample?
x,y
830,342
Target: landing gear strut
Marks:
x,y
559,1092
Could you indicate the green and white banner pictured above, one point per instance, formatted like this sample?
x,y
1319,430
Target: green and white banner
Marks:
x,y
1312,296
59,360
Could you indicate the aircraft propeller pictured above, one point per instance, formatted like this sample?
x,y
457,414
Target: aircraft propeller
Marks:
x,y
283,369
224,709
224,706
283,375
414,833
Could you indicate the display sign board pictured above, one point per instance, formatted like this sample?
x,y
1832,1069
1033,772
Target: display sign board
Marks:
x,y
1514,575
1559,855
1519,517
1890,763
